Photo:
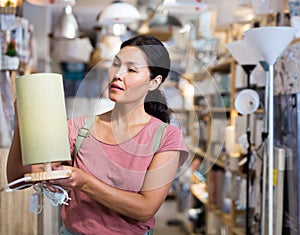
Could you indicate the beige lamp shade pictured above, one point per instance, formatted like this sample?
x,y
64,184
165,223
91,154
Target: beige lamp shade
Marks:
x,y
42,118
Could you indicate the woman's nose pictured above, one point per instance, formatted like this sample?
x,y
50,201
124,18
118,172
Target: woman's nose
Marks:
x,y
120,72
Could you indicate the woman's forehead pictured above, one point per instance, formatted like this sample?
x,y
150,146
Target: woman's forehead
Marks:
x,y
133,55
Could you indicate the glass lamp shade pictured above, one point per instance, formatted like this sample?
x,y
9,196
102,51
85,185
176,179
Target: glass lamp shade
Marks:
x,y
119,13
242,52
67,26
270,41
61,3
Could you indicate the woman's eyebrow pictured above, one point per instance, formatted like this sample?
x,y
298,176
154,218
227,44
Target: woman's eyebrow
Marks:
x,y
117,58
128,63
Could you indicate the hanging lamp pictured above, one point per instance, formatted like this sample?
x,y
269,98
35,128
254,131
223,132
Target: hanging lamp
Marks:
x,y
67,26
61,3
119,12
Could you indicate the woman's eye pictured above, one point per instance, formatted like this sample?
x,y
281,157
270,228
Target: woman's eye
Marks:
x,y
115,64
132,70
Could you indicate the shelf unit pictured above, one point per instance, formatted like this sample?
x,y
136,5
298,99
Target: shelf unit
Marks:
x,y
216,163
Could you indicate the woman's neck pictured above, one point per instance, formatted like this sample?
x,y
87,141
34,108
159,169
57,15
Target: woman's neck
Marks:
x,y
128,115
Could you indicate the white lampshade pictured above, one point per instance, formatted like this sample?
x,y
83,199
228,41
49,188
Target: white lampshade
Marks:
x,y
61,3
270,41
242,52
119,13
184,7
246,101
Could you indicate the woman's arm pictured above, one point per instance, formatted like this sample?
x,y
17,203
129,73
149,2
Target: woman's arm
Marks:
x,y
140,206
14,167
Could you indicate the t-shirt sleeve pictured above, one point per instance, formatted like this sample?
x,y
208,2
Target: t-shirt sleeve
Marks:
x,y
173,141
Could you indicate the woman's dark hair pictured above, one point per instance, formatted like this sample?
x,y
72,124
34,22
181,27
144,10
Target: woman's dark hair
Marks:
x,y
158,60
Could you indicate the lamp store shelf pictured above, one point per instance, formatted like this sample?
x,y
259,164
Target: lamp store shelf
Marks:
x,y
226,219
200,193
222,67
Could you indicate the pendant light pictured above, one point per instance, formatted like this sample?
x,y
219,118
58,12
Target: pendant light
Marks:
x,y
61,3
119,12
67,26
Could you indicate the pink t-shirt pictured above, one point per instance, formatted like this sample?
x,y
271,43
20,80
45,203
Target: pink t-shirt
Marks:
x,y
122,166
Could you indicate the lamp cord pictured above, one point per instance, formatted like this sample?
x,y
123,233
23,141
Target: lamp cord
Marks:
x,y
36,202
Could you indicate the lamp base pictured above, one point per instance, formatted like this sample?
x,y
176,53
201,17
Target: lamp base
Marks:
x,y
48,175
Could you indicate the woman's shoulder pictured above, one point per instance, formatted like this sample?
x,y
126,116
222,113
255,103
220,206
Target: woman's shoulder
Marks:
x,y
170,128
78,121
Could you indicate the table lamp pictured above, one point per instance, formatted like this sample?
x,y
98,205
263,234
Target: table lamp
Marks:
x,y
246,102
43,123
270,42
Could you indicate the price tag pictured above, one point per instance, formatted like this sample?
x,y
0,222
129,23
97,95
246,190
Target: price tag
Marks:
x,y
275,177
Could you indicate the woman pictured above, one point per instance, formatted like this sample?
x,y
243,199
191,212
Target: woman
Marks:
x,y
119,180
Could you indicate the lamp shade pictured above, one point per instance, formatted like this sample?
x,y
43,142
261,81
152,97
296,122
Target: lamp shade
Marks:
x,y
67,26
242,52
42,118
270,41
119,12
61,3
246,101
183,7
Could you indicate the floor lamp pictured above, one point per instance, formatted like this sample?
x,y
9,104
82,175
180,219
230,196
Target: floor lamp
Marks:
x,y
270,42
249,101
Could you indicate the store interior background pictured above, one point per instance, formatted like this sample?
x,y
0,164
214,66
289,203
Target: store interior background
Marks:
x,y
201,91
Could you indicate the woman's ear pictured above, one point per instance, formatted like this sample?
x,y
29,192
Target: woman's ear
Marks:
x,y
155,82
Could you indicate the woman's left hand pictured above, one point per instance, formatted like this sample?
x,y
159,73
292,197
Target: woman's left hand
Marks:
x,y
77,179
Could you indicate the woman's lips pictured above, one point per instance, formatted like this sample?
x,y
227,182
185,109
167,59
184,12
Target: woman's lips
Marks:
x,y
116,87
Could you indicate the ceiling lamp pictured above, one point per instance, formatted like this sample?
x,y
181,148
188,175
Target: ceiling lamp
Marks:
x,y
185,7
61,3
119,12
67,26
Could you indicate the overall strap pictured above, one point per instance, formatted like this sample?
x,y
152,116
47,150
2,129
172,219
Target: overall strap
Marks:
x,y
158,136
83,132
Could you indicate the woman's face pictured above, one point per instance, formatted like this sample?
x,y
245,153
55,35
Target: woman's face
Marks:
x,y
129,76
